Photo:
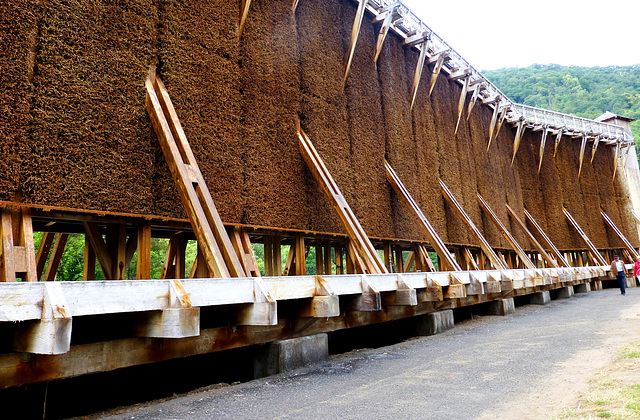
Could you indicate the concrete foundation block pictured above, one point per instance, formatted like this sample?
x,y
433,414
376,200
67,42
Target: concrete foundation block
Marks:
x,y
287,355
435,322
541,298
502,307
565,292
582,288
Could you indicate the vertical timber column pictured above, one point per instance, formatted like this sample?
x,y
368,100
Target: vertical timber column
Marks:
x,y
300,255
143,265
89,266
117,246
18,257
337,251
398,259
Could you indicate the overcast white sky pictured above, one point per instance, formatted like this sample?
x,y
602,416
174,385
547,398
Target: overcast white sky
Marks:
x,y
492,34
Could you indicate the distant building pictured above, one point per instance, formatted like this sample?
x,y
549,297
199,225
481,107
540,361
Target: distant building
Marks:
x,y
611,118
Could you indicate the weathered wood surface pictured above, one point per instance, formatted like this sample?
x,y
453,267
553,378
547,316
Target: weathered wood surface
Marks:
x,y
595,254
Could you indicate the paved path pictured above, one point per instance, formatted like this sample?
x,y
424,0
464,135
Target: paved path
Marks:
x,y
524,365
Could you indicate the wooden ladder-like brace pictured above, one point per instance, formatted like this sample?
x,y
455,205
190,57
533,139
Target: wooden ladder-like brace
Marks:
x,y
18,257
359,246
595,254
217,250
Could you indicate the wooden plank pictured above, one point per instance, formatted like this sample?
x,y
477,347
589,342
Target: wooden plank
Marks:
x,y
546,239
550,261
51,268
218,252
357,236
355,31
592,249
470,260
620,235
426,227
300,255
505,233
484,245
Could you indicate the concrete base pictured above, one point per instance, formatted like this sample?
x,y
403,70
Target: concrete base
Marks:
x,y
502,307
435,322
565,292
540,298
287,355
582,288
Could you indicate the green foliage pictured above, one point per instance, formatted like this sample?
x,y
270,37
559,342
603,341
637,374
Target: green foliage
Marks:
x,y
583,91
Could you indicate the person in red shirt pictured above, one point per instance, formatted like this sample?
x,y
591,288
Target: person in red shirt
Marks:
x,y
636,271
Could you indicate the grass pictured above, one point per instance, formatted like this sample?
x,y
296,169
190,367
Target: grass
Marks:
x,y
614,393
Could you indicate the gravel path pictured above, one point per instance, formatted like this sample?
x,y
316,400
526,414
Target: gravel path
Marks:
x,y
526,365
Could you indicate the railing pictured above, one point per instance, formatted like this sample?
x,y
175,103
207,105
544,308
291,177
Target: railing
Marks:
x,y
406,23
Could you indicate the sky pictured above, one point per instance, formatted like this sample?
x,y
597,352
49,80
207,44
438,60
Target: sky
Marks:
x,y
492,34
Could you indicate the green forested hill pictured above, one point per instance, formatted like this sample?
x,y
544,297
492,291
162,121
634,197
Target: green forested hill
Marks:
x,y
583,91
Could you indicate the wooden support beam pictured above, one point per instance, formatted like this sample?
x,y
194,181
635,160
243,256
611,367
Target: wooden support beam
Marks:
x,y
595,254
357,236
583,147
43,252
337,251
387,18
116,243
484,245
17,255
501,119
432,236
473,100
460,75
557,142
89,263
506,234
615,161
143,263
217,250
436,71
52,265
550,261
405,295
417,39
543,141
327,258
368,301
294,6
99,247
516,142
494,120
547,241
325,303
594,147
471,262
300,255
242,246
319,258
355,31
244,12
399,264
263,311
411,259
425,260
620,235
461,102
418,73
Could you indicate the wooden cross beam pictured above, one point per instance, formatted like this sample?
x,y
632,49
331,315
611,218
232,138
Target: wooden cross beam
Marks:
x,y
53,263
242,245
620,235
592,249
218,253
358,238
484,245
355,31
432,236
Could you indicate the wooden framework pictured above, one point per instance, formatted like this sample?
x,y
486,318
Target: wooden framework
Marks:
x,y
545,256
432,236
217,250
17,256
620,235
547,241
486,248
361,249
595,254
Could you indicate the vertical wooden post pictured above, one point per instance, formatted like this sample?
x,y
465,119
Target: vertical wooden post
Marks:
x,y
319,258
117,246
143,265
337,251
89,265
327,258
398,258
18,257
300,255
268,256
277,256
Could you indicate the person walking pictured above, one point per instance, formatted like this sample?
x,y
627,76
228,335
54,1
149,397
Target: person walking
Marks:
x,y
617,270
636,271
